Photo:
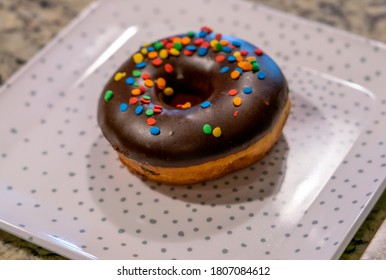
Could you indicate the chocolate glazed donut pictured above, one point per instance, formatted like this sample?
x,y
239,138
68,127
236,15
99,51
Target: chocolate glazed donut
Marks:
x,y
194,107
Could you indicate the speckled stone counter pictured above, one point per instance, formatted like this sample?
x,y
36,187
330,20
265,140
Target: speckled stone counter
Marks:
x,y
27,25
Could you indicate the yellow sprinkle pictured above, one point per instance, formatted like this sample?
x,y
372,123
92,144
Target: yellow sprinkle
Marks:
x,y
163,54
161,83
138,58
147,45
186,105
245,65
174,51
118,76
235,74
237,101
216,132
251,58
186,40
136,92
168,91
237,53
213,43
149,83
152,55
144,51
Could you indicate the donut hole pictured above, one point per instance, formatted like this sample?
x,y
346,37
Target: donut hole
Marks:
x,y
184,92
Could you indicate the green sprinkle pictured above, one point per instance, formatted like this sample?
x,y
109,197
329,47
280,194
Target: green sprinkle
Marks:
x,y
158,45
136,84
255,67
177,45
136,73
219,47
149,112
147,97
190,34
207,129
108,95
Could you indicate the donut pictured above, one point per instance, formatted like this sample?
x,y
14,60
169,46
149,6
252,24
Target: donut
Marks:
x,y
194,107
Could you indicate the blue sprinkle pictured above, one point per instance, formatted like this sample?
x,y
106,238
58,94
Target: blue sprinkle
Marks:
x,y
154,130
224,69
231,58
202,34
247,90
150,49
261,75
202,51
141,65
238,69
138,110
123,107
205,104
236,43
191,48
130,81
227,49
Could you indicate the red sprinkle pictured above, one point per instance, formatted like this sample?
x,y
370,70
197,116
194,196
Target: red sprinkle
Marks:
x,y
145,101
188,53
233,92
205,44
198,41
157,111
151,121
133,100
207,29
142,88
244,52
220,58
258,52
218,36
145,76
158,107
157,61
235,113
169,45
169,68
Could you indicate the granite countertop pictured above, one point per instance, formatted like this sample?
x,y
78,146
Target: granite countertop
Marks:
x,y
27,25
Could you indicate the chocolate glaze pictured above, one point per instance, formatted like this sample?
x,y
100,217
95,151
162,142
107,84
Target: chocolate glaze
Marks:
x,y
181,141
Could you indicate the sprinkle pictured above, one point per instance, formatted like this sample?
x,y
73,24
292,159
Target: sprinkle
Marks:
x,y
158,45
190,34
138,58
220,58
258,52
218,47
145,76
247,90
136,92
145,101
151,121
141,65
244,52
238,69
174,52
233,92
216,132
163,54
150,49
235,113
118,76
108,95
177,45
245,65
227,49
133,100
224,43
207,129
123,107
202,51
144,51
136,73
184,106
185,40
198,42
218,36
161,83
191,48
130,80
168,91
149,112
237,101
157,61
205,104
188,53
202,33
139,110
235,74
251,58
207,29
255,67
155,130
157,109
261,75
149,83
224,69
236,43
142,89
231,58
169,68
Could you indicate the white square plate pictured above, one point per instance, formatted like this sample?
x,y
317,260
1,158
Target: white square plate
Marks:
x,y
62,186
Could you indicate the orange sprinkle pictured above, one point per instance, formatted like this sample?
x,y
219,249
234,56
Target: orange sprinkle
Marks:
x,y
151,121
136,92
185,40
177,40
152,55
233,92
237,101
245,65
235,75
161,83
224,42
149,83
157,61
251,58
220,58
239,58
